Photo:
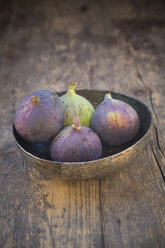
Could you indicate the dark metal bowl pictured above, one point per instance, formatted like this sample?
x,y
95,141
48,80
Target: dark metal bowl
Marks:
x,y
113,158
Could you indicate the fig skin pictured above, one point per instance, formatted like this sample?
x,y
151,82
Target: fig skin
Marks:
x,y
39,117
41,150
115,121
76,144
76,105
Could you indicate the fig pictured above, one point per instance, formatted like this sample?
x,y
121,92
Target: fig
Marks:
x,y
41,150
39,117
76,105
76,144
115,121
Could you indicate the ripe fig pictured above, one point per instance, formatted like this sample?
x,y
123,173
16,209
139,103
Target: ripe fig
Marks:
x,y
41,150
39,117
115,121
76,144
76,105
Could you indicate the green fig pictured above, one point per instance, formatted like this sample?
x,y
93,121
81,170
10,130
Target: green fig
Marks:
x,y
76,105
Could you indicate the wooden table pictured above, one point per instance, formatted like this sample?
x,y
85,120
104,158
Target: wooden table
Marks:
x,y
115,45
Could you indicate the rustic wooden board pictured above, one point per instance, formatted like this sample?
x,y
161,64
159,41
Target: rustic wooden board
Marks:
x,y
115,45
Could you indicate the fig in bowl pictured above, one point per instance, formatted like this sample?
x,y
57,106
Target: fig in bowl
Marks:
x,y
76,105
76,143
113,158
115,121
39,117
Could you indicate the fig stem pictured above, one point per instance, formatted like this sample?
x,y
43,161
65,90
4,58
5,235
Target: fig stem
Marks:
x,y
76,123
108,96
72,87
35,99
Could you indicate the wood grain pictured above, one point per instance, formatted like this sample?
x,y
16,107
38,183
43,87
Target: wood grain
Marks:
x,y
113,45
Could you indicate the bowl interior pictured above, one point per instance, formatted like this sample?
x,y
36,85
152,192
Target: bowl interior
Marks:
x,y
96,97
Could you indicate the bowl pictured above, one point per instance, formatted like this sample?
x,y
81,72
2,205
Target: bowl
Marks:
x,y
113,158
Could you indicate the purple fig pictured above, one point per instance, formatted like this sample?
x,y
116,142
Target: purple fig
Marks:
x,y
115,121
39,117
41,150
76,144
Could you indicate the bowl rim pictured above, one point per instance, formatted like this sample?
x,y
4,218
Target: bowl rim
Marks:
x,y
113,156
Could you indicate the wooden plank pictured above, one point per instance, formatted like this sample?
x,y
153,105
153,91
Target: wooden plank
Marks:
x,y
132,203
49,213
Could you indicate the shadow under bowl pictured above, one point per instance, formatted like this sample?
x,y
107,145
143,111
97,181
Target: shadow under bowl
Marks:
x,y
36,157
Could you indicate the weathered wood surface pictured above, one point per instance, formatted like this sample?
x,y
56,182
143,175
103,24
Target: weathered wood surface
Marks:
x,y
115,45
